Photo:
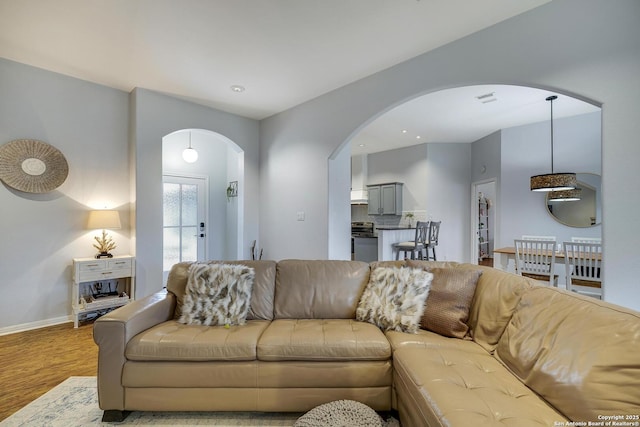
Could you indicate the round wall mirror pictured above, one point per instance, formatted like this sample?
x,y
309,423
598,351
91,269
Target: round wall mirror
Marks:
x,y
585,212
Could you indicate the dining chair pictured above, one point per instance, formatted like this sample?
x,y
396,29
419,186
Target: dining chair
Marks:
x,y
432,239
536,259
583,268
586,240
417,245
529,237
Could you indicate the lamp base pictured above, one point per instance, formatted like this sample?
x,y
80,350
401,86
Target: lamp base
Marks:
x,y
104,255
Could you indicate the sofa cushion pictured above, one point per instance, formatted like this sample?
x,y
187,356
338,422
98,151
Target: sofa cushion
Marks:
x,y
575,351
173,341
217,294
322,340
262,293
452,387
497,294
447,308
315,289
394,298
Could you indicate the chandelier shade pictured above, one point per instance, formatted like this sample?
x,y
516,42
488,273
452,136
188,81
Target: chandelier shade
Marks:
x,y
553,181
565,196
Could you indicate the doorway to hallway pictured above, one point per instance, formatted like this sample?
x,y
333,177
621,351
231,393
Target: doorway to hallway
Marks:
x,y
483,221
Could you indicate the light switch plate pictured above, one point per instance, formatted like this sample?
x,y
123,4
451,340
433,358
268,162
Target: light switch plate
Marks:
x,y
301,216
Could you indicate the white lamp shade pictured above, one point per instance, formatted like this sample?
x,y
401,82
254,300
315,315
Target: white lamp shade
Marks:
x,y
104,219
190,155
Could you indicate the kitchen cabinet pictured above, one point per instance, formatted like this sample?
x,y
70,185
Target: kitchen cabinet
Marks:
x,y
385,199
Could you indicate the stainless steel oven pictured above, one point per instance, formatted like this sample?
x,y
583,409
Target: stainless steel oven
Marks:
x,y
362,229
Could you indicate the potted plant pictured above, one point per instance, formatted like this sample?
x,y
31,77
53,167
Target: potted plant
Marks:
x,y
408,215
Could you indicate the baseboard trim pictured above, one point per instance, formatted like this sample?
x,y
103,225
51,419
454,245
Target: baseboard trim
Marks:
x,y
35,325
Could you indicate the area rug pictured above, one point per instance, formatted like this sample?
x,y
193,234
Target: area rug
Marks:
x,y
74,403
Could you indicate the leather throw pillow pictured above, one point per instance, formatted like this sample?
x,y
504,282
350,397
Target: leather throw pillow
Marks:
x,y
217,294
447,307
394,299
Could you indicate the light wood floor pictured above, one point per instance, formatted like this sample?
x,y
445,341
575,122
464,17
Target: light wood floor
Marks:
x,y
33,362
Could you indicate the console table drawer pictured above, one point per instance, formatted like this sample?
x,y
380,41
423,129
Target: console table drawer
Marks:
x,y
97,265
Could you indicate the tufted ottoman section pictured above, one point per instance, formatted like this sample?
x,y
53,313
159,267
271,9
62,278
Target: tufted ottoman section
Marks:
x,y
451,387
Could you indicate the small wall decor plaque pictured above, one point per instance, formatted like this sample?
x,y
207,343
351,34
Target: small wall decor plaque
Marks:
x,y
232,189
32,166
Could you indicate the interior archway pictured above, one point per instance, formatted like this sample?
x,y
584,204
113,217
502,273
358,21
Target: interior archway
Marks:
x,y
220,162
528,106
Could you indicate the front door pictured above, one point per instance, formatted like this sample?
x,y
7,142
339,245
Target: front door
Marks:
x,y
184,224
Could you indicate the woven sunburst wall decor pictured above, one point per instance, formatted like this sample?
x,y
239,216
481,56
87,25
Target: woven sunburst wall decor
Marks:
x,y
32,166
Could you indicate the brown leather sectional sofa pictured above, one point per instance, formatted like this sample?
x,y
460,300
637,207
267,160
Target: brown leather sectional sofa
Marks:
x,y
535,356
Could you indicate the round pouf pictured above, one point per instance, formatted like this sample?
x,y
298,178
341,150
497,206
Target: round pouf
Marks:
x,y
341,413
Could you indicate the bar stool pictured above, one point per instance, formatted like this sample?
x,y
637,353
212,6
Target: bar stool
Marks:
x,y
418,244
432,240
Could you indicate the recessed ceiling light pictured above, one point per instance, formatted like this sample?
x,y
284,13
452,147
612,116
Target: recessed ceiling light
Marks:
x,y
360,145
404,131
418,137
237,88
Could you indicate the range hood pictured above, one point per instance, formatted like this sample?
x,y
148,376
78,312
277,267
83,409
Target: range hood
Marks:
x,y
359,197
359,193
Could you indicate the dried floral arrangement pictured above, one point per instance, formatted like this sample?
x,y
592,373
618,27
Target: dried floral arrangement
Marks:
x,y
105,243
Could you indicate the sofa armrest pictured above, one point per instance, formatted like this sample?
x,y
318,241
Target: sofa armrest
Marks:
x,y
113,331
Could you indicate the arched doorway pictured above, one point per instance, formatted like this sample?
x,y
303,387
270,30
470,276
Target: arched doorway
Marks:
x,y
457,151
201,218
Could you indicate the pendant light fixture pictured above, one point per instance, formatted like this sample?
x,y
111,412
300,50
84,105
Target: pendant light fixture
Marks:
x,y
553,181
565,196
189,154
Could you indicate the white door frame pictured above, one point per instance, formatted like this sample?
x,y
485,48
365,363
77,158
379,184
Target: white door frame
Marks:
x,y
474,216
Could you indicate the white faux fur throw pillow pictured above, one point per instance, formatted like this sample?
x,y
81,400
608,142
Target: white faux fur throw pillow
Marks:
x,y
394,298
217,294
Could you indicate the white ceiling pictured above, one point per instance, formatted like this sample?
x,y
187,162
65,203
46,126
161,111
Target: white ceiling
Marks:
x,y
284,52
457,115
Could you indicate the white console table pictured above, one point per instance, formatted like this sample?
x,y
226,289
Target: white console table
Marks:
x,y
100,284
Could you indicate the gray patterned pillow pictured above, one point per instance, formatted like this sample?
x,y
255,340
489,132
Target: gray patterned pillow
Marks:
x,y
394,298
217,294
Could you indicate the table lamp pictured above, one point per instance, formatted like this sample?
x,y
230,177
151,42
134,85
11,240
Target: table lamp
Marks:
x,y
104,219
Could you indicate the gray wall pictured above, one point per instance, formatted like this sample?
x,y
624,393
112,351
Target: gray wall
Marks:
x,y
113,144
436,187
485,158
577,145
42,233
153,116
593,54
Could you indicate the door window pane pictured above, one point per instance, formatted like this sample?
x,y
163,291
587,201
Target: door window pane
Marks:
x,y
171,250
189,204
171,203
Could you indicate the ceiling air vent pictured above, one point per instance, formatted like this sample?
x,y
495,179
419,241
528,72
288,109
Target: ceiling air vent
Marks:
x,y
487,97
